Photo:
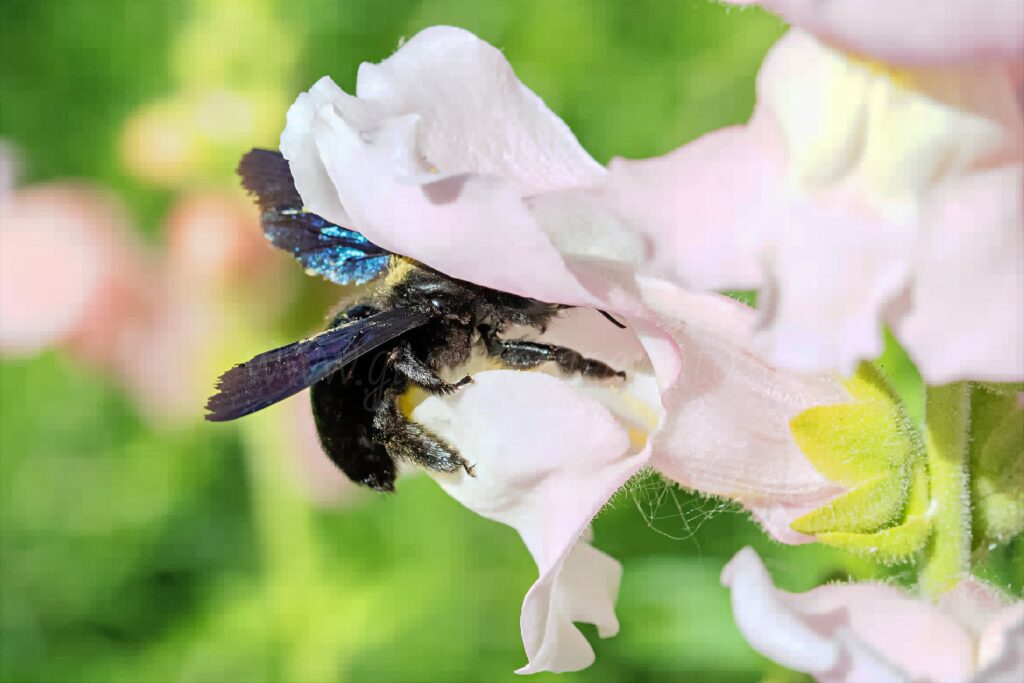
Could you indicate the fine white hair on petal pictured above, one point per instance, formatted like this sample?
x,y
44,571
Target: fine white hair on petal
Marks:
x,y
726,428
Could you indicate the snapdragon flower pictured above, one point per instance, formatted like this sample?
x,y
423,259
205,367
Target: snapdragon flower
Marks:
x,y
444,156
862,190
876,633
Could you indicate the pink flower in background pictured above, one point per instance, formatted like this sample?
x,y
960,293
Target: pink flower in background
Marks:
x,y
858,193
74,276
874,633
214,240
66,252
445,157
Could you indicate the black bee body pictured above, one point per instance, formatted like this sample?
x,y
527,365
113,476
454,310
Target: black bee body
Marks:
x,y
418,325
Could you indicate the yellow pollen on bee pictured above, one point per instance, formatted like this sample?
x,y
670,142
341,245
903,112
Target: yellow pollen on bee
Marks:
x,y
409,399
398,270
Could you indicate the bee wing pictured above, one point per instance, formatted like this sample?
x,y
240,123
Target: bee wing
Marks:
x,y
275,375
338,254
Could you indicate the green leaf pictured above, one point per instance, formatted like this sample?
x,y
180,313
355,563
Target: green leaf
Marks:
x,y
896,544
870,446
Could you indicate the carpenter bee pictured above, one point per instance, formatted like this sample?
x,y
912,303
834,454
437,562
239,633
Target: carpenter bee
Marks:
x,y
407,332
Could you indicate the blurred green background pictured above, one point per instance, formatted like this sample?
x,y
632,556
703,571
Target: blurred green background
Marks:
x,y
136,548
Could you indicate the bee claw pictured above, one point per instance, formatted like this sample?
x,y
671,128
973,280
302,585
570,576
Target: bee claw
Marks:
x,y
469,468
464,381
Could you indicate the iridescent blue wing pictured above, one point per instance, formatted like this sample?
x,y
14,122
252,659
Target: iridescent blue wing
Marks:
x,y
275,375
338,254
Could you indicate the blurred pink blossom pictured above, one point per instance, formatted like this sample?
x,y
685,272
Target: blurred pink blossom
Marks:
x,y
74,276
214,241
874,633
71,269
445,157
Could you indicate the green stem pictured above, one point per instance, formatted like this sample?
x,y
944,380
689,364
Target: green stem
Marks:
x,y
292,568
947,422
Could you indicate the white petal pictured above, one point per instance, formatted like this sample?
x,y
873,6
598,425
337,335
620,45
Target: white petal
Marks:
x,y
546,458
299,146
585,587
472,227
965,319
477,116
1001,647
766,622
848,633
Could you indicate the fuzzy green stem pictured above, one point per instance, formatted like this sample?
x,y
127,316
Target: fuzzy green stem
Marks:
x,y
947,423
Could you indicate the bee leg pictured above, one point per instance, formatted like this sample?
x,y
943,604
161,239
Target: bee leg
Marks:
x,y
522,354
403,360
409,441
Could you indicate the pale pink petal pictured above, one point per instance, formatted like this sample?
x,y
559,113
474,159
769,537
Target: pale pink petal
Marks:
x,y
444,146
300,148
547,481
855,195
1001,647
973,603
965,318
476,116
997,625
686,206
214,239
876,176
835,269
855,633
719,213
494,232
584,587
767,622
912,31
727,426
